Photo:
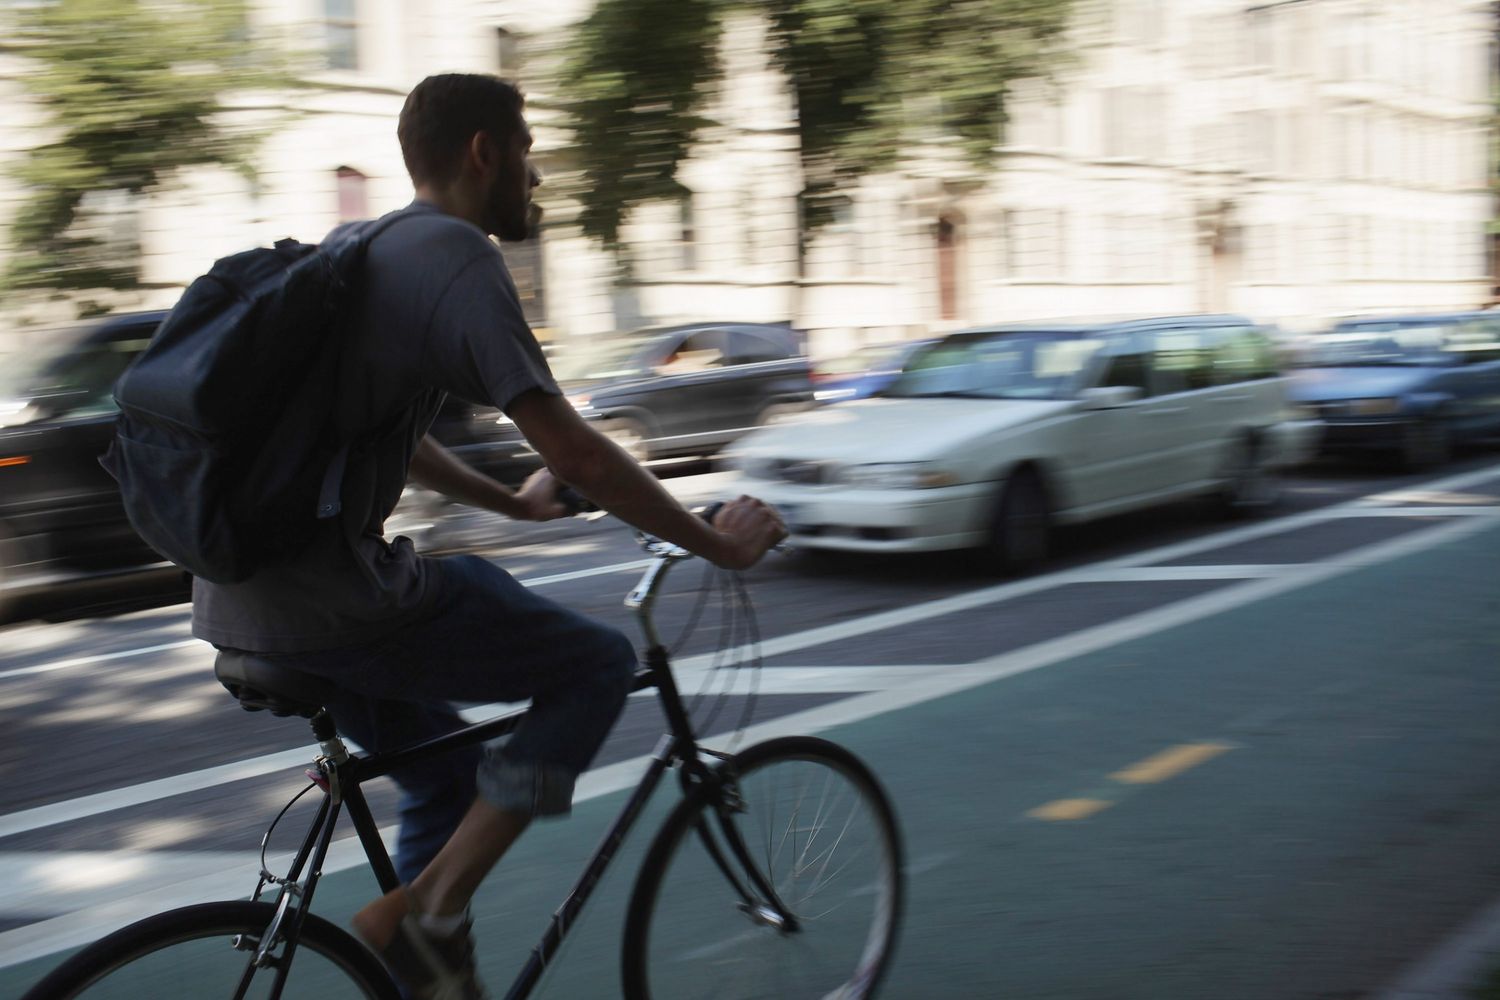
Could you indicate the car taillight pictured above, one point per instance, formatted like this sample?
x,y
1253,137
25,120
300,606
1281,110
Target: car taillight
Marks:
x,y
14,460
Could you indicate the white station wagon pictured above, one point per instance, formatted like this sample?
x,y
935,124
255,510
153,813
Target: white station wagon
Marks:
x,y
991,436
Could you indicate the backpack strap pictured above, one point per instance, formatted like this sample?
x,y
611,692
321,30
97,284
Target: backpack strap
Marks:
x,y
330,498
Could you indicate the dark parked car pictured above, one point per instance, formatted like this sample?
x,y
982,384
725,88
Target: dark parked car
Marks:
x,y
62,525
61,520
672,392
1413,386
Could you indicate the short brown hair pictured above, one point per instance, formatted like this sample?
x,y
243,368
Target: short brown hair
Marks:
x,y
443,112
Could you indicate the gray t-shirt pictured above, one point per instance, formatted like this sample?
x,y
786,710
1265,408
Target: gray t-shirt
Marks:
x,y
437,313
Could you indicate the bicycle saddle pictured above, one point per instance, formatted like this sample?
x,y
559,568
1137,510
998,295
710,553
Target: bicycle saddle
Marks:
x,y
261,683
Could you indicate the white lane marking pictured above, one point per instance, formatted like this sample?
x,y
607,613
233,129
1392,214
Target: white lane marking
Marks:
x,y
148,791
58,881
691,670
579,574
84,661
1375,505
1454,511
73,929
1149,574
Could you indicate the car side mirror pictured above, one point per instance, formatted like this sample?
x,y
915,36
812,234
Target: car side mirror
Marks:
x,y
1108,397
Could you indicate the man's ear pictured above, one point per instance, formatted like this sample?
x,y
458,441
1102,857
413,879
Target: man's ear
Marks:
x,y
481,153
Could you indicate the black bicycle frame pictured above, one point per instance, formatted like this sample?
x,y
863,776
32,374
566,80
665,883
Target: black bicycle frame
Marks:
x,y
344,777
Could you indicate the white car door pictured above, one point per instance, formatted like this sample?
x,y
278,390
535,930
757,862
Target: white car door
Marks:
x,y
1186,424
1112,450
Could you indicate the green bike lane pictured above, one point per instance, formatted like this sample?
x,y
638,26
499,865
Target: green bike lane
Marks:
x,y
1293,798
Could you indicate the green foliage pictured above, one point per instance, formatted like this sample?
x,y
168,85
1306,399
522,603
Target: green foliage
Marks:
x,y
636,76
871,78
132,91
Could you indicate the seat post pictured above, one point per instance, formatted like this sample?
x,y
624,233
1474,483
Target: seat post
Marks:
x,y
328,738
322,726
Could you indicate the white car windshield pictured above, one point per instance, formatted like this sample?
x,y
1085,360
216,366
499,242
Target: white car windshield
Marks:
x,y
1030,364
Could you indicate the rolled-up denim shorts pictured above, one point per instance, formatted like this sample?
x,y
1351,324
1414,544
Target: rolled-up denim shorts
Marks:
x,y
488,639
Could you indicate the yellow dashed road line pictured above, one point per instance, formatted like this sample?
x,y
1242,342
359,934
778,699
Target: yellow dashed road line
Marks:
x,y
1158,767
1169,763
1069,809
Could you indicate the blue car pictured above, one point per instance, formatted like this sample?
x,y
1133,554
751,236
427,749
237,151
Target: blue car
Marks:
x,y
1412,386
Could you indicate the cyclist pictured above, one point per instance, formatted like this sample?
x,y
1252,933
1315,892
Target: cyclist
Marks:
x,y
402,635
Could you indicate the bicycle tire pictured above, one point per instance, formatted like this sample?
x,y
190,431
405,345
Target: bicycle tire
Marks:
x,y
678,947
177,953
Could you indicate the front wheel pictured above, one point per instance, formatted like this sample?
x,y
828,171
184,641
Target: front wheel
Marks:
x,y
1021,533
207,952
1425,444
820,834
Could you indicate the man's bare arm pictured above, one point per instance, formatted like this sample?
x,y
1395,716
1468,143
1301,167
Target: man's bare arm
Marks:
x,y
579,455
437,468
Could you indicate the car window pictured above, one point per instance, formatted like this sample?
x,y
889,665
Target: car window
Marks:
x,y
1475,341
698,351
1130,369
1379,344
80,380
1182,359
1242,354
748,347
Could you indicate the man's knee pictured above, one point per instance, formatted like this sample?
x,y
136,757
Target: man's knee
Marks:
x,y
621,666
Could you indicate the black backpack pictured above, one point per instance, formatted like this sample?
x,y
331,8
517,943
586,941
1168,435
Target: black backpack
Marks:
x,y
226,447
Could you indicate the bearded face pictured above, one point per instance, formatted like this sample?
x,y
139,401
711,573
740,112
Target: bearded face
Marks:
x,y
509,208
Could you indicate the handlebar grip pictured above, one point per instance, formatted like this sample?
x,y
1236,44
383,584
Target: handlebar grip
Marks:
x,y
710,511
574,502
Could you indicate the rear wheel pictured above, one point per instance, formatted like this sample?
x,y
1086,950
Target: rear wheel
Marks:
x,y
1251,486
818,830
207,952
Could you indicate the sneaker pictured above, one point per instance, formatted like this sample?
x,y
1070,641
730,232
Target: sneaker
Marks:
x,y
432,966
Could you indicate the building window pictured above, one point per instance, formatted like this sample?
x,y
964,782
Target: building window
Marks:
x,y
1040,243
507,55
340,34
353,202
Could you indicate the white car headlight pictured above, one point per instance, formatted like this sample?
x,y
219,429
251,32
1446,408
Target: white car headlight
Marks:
x,y
896,476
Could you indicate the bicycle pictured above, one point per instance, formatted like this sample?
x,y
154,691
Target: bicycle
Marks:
x,y
723,904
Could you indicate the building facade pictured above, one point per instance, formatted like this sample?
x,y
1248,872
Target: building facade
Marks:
x,y
1291,160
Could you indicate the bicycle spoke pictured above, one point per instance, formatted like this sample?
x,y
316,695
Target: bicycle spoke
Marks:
x,y
831,858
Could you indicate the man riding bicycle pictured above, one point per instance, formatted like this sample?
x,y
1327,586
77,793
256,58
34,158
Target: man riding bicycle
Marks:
x,y
436,312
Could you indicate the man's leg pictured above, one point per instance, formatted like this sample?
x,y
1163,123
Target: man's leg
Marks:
x,y
435,794
491,639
